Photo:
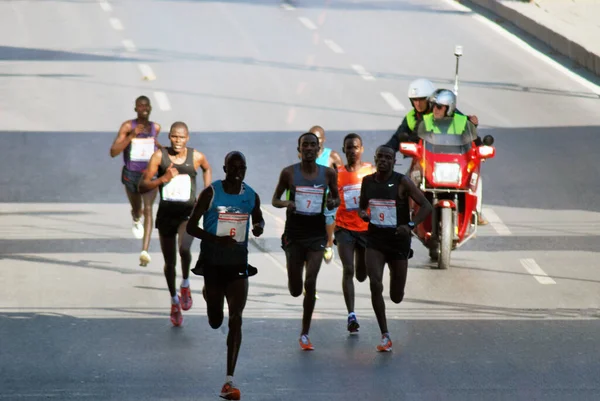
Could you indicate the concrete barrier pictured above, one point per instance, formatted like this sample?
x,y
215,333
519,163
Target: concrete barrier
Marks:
x,y
554,39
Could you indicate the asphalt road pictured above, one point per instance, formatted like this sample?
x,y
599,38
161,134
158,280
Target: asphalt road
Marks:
x,y
79,319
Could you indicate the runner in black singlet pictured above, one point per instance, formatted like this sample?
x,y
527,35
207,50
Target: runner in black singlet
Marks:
x,y
176,167
304,238
385,193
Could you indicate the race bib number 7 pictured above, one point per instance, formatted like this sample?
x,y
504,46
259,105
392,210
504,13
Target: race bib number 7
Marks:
x,y
383,212
351,196
233,225
179,189
309,200
141,149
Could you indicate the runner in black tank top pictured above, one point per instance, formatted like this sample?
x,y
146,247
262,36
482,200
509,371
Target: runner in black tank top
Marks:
x,y
178,196
307,222
388,211
384,204
176,167
304,237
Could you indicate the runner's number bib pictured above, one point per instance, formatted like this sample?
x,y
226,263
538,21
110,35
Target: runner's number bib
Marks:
x,y
351,196
383,212
233,225
309,200
179,189
141,149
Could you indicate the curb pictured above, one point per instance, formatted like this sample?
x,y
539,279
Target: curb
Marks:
x,y
555,40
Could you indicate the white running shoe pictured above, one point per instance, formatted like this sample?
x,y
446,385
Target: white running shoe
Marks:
x,y
328,254
138,229
145,258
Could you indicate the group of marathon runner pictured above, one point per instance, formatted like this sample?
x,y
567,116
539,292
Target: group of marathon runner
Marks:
x,y
361,208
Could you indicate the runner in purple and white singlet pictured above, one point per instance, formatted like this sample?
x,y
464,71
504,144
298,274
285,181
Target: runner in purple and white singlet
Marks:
x,y
137,140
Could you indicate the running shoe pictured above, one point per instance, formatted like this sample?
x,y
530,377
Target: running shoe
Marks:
x,y
186,298
145,258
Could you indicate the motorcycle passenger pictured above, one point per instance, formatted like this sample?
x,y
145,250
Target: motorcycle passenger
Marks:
x,y
445,119
420,92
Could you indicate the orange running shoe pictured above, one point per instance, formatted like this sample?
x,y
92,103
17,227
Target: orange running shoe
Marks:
x,y
176,315
305,343
186,298
386,344
229,392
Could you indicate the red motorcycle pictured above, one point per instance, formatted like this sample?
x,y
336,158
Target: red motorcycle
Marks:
x,y
446,167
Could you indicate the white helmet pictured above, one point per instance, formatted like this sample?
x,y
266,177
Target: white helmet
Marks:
x,y
445,97
420,88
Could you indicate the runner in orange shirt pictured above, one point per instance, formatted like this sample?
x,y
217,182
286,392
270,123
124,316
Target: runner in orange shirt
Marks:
x,y
351,230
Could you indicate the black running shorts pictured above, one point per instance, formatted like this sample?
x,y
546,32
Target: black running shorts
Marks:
x,y
393,249
131,179
345,236
221,275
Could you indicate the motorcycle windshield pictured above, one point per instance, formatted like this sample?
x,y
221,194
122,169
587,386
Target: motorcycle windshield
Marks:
x,y
446,143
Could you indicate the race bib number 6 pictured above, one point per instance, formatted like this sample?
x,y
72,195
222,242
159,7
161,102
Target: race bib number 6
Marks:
x,y
351,196
141,149
309,200
233,225
383,212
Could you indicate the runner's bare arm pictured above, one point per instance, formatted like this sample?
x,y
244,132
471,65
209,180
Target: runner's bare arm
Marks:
x,y
123,139
335,159
147,184
408,187
333,200
201,161
200,208
363,203
258,222
284,183
193,228
157,129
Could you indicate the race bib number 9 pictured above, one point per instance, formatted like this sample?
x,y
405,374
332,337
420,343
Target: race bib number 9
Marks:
x,y
309,200
351,196
179,189
233,225
383,212
141,149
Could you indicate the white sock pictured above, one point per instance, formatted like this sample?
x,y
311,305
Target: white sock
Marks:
x,y
351,314
228,379
175,300
185,283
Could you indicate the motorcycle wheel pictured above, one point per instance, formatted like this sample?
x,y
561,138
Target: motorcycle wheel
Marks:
x,y
445,238
434,252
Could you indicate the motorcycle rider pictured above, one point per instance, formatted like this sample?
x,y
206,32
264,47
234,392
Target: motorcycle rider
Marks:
x,y
419,94
445,119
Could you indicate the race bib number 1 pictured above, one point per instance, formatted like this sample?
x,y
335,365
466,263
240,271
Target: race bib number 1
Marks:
x,y
383,212
351,196
179,189
309,200
233,225
141,149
